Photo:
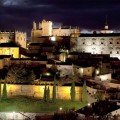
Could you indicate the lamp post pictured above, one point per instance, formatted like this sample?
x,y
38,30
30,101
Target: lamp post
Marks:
x,y
13,114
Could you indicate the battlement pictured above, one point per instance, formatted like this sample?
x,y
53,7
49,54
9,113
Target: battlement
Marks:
x,y
19,32
45,28
6,32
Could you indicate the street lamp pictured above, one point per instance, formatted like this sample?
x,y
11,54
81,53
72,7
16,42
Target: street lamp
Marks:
x,y
13,114
60,108
88,104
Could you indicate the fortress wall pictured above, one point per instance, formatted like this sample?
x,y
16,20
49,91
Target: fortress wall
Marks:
x,y
62,92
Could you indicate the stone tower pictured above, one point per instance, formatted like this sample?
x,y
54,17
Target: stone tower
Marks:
x,y
46,28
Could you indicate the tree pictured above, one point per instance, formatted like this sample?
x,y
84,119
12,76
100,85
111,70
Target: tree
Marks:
x,y
48,94
4,72
0,89
20,74
72,93
45,93
54,70
4,94
84,92
99,96
54,90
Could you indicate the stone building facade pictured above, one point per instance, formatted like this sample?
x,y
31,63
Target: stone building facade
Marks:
x,y
14,36
97,44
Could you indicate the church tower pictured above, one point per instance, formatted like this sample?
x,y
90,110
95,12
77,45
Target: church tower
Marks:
x,y
106,28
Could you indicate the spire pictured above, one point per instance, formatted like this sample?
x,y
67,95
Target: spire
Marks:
x,y
106,23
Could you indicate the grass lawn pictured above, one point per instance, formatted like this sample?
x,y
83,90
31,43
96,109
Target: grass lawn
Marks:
x,y
28,104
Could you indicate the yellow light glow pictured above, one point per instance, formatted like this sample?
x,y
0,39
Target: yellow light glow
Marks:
x,y
48,74
97,72
62,92
53,38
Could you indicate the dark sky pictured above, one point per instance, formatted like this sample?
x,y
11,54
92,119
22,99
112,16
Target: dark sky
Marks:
x,y
87,14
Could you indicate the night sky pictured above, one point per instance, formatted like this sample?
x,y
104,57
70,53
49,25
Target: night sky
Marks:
x,y
87,14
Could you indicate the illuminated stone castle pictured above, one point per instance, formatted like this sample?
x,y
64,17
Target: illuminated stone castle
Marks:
x,y
45,28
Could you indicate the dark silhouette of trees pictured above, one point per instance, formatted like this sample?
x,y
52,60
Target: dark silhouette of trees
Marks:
x,y
54,90
20,74
45,94
84,92
72,92
4,93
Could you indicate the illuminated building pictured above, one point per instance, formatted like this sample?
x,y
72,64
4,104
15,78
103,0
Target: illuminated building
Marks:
x,y
16,36
9,49
97,44
45,28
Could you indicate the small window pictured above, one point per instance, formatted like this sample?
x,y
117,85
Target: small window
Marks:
x,y
110,42
110,52
117,52
111,39
93,39
101,42
83,43
117,42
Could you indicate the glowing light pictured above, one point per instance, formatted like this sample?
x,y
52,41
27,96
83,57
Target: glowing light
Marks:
x,y
97,72
53,38
60,108
88,104
48,74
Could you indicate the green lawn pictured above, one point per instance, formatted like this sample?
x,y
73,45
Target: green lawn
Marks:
x,y
28,104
